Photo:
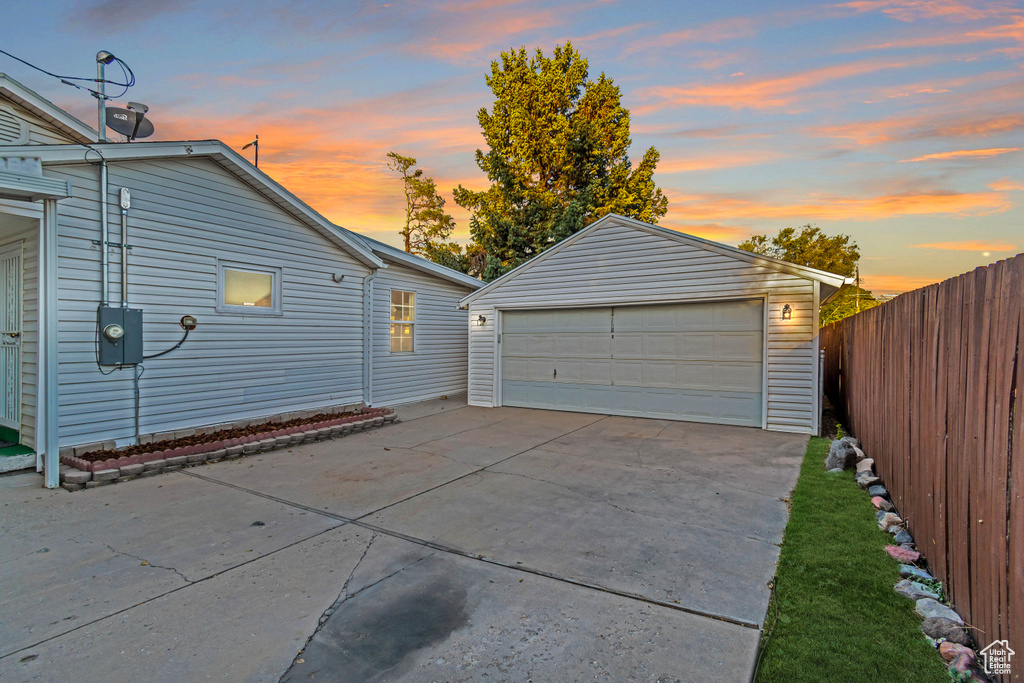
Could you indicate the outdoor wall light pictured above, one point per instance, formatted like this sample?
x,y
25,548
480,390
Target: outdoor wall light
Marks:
x,y
480,320
787,312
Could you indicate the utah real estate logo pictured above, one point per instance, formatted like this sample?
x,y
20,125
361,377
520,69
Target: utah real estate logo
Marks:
x,y
997,658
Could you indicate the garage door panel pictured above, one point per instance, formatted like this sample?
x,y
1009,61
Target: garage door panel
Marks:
x,y
568,346
628,373
742,346
700,362
596,372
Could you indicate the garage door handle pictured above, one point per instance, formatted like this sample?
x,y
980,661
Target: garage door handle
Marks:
x,y
555,373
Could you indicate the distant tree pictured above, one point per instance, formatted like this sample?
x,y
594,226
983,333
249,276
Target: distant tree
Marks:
x,y
811,248
814,249
557,158
850,301
427,225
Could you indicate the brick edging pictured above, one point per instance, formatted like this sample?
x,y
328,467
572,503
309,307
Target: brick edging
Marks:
x,y
81,473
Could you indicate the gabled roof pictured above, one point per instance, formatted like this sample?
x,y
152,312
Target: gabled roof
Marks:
x,y
830,281
46,110
226,158
386,251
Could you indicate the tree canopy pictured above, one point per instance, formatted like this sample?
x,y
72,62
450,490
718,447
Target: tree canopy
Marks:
x,y
557,158
427,225
814,249
811,248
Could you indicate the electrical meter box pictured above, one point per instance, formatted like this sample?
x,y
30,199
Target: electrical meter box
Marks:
x,y
120,335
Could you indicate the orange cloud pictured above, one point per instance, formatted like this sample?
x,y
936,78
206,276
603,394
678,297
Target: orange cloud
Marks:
x,y
715,162
728,208
752,93
1006,185
712,32
894,284
963,154
912,10
710,231
867,133
967,245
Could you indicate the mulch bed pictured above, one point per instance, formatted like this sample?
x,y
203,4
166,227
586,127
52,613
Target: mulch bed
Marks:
x,y
195,440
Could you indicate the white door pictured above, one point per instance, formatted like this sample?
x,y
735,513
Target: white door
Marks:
x,y
700,362
10,336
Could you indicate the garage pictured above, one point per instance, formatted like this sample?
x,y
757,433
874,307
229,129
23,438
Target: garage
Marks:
x,y
627,318
694,361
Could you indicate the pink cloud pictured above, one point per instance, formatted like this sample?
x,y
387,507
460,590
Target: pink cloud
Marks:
x,y
963,154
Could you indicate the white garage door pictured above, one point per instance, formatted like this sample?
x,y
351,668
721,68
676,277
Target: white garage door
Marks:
x,y
699,362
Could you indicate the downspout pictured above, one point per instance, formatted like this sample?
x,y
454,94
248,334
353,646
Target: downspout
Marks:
x,y
368,323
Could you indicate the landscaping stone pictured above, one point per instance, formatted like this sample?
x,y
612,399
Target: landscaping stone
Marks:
x,y
867,480
914,591
266,444
850,441
882,504
195,458
860,454
878,491
902,554
217,455
76,477
909,571
903,537
951,651
907,546
234,450
889,519
247,449
68,486
177,461
947,629
106,475
132,470
94,484
930,607
865,465
840,454
836,470
152,466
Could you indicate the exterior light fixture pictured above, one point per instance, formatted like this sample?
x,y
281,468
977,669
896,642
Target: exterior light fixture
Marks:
x,y
480,320
787,312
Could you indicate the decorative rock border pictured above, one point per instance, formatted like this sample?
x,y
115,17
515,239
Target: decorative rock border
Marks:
x,y
77,473
942,626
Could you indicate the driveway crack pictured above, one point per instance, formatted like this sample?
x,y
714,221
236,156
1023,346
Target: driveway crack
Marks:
x,y
147,563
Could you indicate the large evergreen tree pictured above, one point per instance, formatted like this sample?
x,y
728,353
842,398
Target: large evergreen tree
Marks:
x,y
427,225
557,158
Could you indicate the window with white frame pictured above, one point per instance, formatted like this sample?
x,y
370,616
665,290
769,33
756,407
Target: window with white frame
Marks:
x,y
403,321
248,289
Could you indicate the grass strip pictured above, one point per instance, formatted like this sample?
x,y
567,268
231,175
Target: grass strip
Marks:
x,y
834,615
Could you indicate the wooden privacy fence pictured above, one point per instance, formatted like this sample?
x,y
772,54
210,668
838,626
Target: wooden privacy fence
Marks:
x,y
931,383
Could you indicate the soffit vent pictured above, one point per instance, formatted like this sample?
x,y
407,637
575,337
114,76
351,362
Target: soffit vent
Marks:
x,y
12,131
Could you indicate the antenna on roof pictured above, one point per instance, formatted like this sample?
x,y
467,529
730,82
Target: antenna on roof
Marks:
x,y
130,122
255,143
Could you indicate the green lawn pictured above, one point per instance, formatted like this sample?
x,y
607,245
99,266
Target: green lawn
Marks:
x,y
835,616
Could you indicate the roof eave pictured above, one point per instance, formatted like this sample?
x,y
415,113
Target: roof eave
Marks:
x,y
47,110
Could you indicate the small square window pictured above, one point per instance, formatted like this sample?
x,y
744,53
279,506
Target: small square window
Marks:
x,y
403,321
248,289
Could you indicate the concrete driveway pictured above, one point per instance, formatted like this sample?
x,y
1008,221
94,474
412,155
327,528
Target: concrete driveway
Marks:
x,y
458,544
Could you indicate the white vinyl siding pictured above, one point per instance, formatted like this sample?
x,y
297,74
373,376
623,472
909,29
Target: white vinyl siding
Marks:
x,y
438,366
37,131
617,264
185,216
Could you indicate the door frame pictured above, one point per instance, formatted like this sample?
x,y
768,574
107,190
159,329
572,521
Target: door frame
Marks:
x,y
754,296
6,250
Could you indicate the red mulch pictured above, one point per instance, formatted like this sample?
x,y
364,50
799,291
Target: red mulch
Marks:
x,y
222,435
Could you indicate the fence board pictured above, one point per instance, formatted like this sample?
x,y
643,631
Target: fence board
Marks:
x,y
931,384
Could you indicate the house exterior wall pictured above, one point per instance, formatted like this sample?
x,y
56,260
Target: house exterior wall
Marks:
x,y
621,265
39,132
184,216
438,365
26,233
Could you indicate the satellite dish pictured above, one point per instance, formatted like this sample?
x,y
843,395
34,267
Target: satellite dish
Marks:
x,y
130,123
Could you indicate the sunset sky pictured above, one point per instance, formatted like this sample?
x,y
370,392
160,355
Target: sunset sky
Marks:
x,y
898,122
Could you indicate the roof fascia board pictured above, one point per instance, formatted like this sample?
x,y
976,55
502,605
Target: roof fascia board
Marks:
x,y
220,153
46,109
438,270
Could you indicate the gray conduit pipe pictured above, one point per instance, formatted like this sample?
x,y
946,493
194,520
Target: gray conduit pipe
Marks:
x,y
105,261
